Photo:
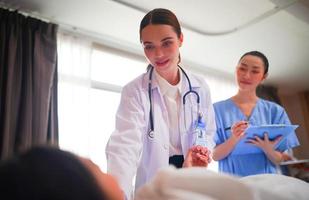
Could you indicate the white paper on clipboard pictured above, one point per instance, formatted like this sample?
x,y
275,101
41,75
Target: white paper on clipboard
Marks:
x,y
273,130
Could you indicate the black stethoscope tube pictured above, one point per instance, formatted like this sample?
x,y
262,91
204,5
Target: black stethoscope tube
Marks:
x,y
151,131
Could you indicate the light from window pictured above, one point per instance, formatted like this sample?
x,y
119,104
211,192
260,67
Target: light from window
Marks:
x,y
114,69
87,114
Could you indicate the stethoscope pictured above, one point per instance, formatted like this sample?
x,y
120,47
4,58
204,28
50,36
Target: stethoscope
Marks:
x,y
151,131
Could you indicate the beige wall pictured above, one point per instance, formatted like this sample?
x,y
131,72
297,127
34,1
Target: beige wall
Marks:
x,y
297,107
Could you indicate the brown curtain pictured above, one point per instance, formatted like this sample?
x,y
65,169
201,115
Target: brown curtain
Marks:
x,y
28,83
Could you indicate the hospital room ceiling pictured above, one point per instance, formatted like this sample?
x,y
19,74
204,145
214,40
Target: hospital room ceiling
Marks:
x,y
216,32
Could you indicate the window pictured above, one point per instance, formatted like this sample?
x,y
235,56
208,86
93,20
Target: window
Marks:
x,y
89,94
110,68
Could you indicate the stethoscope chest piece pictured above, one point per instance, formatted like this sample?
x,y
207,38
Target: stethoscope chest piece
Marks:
x,y
151,134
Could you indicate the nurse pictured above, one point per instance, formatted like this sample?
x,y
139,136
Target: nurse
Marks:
x,y
154,121
234,114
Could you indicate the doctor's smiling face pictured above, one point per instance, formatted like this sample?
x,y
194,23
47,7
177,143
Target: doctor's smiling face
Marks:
x,y
161,47
250,72
161,36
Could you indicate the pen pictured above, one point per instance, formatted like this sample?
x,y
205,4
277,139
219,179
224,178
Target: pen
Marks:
x,y
229,128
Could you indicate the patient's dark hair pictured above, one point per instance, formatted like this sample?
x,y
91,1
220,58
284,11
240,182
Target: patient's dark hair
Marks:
x,y
47,173
260,55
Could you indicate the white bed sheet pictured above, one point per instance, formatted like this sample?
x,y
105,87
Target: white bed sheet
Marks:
x,y
201,184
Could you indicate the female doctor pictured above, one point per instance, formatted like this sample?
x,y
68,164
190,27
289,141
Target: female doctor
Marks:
x,y
159,110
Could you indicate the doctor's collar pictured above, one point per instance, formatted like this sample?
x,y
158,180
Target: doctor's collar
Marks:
x,y
166,87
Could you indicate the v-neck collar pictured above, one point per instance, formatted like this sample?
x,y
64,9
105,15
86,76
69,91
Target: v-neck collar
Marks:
x,y
240,111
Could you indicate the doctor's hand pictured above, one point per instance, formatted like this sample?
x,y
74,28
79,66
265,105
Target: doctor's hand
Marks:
x,y
198,156
238,130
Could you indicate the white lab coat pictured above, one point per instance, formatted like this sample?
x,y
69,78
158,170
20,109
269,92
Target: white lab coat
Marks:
x,y
130,151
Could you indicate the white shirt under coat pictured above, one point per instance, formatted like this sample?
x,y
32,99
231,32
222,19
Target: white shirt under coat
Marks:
x,y
171,95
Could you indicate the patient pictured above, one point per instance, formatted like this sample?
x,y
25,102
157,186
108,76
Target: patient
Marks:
x,y
52,174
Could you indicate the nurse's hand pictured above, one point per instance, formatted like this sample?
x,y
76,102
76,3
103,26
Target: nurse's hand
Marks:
x,y
266,145
197,156
238,130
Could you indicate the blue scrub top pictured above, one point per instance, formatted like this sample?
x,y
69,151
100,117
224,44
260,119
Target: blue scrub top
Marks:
x,y
264,112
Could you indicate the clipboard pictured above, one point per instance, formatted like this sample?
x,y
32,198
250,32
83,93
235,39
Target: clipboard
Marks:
x,y
273,130
295,162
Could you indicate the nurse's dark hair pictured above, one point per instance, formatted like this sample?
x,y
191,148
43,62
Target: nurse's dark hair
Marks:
x,y
260,55
47,173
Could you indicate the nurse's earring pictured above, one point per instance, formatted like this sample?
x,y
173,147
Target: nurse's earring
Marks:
x,y
264,77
